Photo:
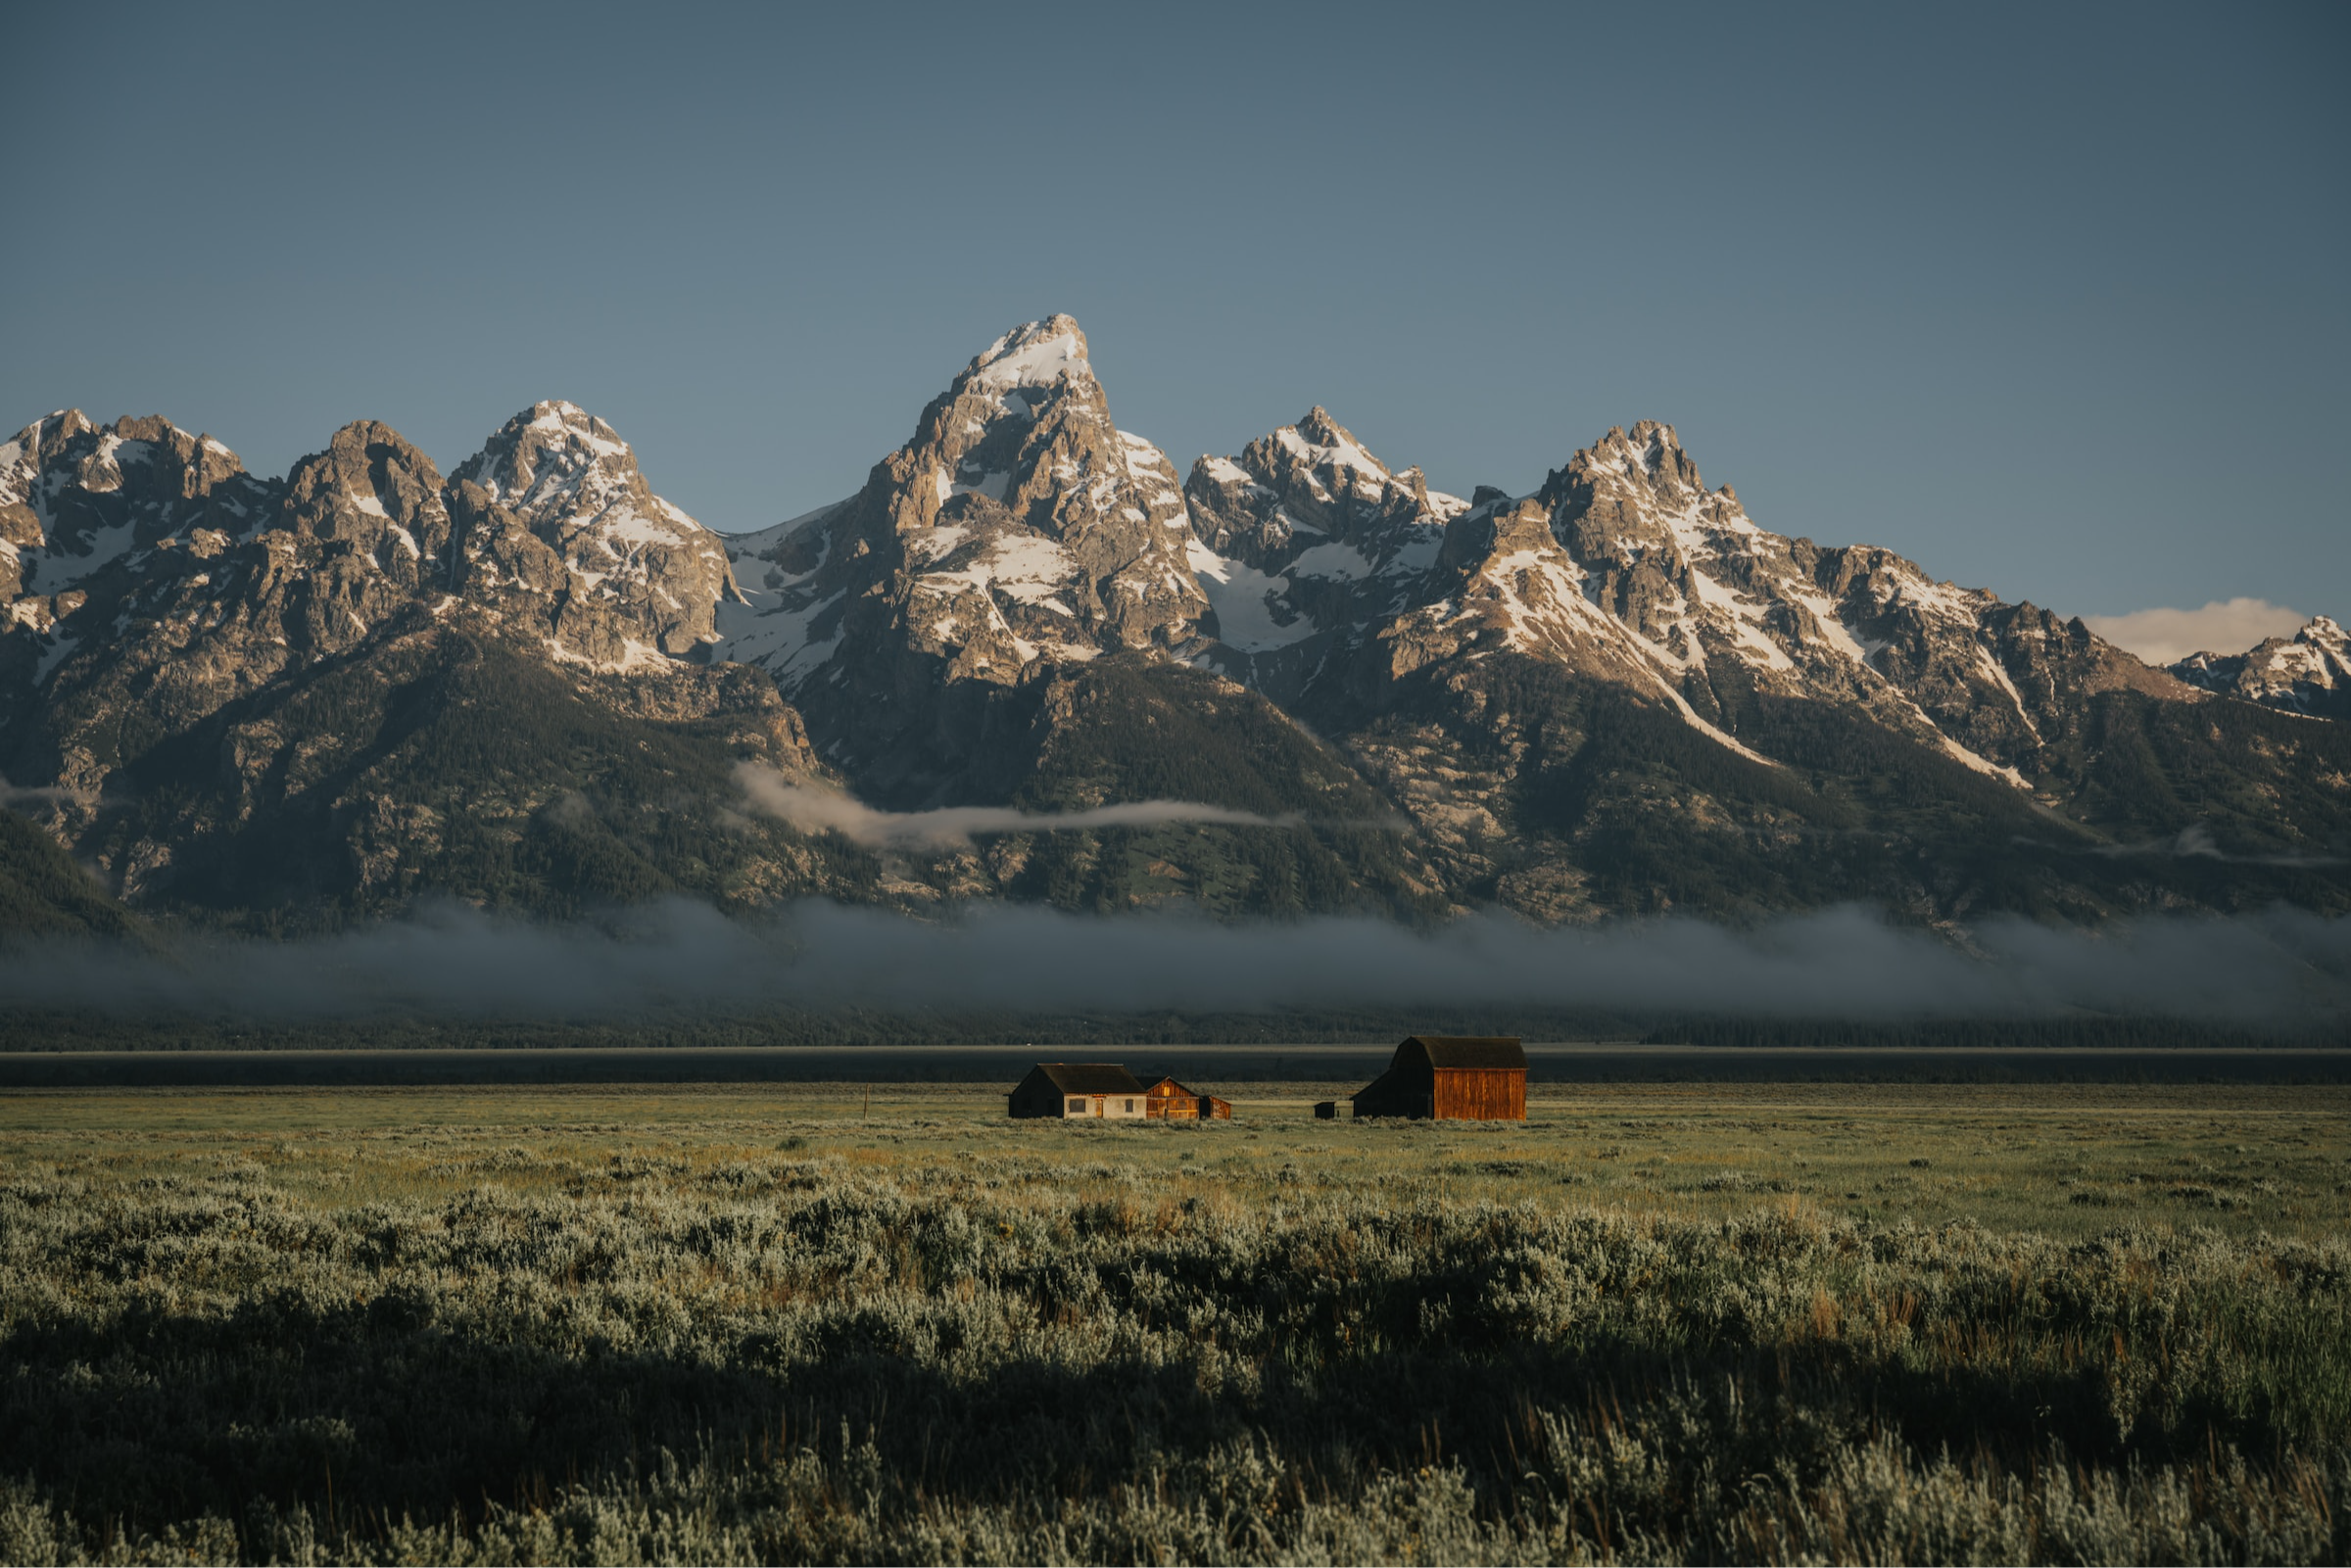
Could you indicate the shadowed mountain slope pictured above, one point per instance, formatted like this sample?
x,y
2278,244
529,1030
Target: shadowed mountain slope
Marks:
x,y
533,684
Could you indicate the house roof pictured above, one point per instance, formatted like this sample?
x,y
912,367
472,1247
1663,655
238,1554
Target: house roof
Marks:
x,y
1089,1077
1467,1050
1171,1086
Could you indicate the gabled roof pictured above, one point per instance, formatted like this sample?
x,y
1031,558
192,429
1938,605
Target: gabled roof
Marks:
x,y
1467,1050
1171,1089
1089,1077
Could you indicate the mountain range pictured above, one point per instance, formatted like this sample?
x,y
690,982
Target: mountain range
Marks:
x,y
531,684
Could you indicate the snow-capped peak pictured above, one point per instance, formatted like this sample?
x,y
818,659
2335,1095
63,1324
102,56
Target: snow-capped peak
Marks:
x,y
570,420
553,454
569,478
69,422
2308,673
99,470
1036,354
1638,452
1321,440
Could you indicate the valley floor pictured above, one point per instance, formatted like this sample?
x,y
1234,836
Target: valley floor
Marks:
x,y
826,1323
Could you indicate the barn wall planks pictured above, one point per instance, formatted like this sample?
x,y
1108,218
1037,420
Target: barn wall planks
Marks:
x,y
1452,1077
1481,1094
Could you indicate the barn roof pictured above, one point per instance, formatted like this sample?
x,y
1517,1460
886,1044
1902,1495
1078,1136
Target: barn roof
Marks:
x,y
1170,1089
1468,1050
1089,1077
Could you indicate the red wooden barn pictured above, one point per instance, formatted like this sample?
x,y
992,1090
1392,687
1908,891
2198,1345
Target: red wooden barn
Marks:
x,y
1452,1077
1171,1101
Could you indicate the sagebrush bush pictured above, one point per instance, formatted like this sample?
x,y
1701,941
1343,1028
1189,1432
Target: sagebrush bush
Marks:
x,y
796,1356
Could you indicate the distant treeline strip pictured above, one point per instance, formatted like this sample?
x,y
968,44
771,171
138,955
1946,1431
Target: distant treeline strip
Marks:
x,y
857,1027
2057,1034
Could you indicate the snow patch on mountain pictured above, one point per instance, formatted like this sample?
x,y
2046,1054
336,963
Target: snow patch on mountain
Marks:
x,y
569,478
779,621
1036,355
1247,602
2308,673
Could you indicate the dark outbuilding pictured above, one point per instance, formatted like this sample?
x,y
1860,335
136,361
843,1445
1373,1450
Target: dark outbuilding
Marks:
x,y
1073,1089
1451,1077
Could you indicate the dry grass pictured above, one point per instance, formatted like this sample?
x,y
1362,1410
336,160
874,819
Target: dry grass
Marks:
x,y
823,1322
2062,1160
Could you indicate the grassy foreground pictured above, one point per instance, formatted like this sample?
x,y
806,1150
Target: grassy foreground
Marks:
x,y
1661,1324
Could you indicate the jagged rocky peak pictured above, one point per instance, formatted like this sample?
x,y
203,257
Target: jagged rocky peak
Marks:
x,y
76,497
2307,673
1634,494
1019,474
204,585
1036,354
1624,565
1313,483
1034,530
1504,584
1017,530
373,491
1304,541
1319,447
1683,567
647,577
1017,412
554,460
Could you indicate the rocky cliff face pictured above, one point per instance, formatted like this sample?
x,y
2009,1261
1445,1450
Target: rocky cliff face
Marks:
x,y
533,682
2308,673
1467,632
75,497
1626,566
1018,532
626,578
1305,543
76,503
202,670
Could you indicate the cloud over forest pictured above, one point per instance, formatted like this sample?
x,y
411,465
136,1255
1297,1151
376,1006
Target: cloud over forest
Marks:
x,y
1840,964
813,810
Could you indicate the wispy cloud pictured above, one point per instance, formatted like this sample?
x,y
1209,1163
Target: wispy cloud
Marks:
x,y
2195,843
2224,626
43,794
814,810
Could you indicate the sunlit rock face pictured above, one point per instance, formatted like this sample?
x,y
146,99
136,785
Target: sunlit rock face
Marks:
x,y
534,679
1017,533
639,578
232,691
1304,543
2307,673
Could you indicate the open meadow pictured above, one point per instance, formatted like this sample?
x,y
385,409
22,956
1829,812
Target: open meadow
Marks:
x,y
821,1323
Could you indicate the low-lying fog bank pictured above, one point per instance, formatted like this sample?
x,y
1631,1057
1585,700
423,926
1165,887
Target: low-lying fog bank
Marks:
x,y
2277,967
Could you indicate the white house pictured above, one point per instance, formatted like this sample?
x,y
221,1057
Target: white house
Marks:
x,y
1072,1089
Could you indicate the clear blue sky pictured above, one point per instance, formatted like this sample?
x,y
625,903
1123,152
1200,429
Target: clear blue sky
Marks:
x,y
2052,298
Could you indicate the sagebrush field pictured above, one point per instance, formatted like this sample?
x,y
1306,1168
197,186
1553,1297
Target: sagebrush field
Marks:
x,y
791,1323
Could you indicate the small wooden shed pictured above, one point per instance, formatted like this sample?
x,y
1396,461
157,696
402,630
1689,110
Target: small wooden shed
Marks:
x,y
1073,1089
1171,1101
1452,1077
